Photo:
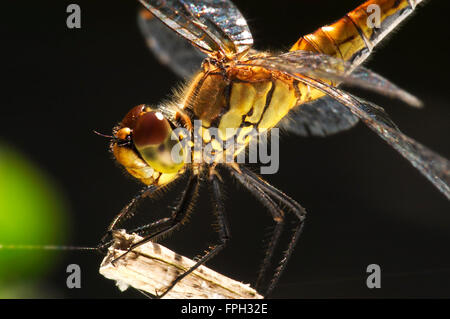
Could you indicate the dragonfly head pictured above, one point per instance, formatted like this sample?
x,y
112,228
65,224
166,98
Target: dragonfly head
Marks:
x,y
146,145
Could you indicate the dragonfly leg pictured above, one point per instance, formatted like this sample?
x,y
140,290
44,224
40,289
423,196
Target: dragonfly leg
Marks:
x,y
277,215
126,213
287,254
178,218
179,215
266,194
223,229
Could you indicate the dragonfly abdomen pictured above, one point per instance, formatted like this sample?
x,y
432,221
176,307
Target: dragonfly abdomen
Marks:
x,y
353,37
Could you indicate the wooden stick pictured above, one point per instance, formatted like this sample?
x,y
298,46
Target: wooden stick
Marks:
x,y
152,267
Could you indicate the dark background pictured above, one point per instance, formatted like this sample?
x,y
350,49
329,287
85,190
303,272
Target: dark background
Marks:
x,y
366,204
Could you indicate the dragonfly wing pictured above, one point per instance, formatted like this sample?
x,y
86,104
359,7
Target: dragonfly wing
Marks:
x,y
334,71
322,117
433,166
211,25
168,47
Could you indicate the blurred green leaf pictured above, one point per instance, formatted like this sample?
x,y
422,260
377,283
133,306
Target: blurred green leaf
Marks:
x,y
32,211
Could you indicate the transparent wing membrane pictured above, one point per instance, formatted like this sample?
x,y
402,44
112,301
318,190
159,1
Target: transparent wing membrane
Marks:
x,y
169,48
326,68
322,117
211,25
433,166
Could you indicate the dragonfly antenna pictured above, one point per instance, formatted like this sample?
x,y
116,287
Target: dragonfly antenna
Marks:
x,y
104,135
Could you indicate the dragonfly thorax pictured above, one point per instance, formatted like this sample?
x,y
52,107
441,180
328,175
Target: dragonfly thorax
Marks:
x,y
230,105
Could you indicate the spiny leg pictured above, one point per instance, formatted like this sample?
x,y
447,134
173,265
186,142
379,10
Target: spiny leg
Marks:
x,y
295,208
275,238
127,212
179,216
224,233
146,229
256,181
278,217
290,203
285,259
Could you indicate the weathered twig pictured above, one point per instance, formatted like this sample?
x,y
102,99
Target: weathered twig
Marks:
x,y
152,267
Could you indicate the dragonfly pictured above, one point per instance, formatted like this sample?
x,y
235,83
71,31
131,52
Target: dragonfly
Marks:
x,y
231,89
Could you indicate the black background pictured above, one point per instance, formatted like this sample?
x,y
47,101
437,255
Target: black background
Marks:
x,y
366,204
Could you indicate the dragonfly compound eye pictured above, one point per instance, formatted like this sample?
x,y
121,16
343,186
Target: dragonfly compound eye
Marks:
x,y
157,143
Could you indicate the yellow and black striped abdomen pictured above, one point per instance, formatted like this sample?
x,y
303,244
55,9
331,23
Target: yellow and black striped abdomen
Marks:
x,y
353,37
